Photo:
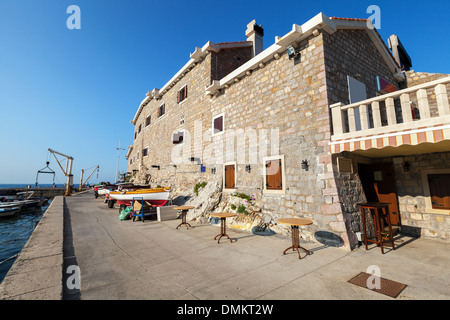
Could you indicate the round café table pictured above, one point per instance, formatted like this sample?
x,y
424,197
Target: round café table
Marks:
x,y
184,210
295,223
223,216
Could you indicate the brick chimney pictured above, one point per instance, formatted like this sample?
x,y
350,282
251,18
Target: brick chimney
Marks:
x,y
255,34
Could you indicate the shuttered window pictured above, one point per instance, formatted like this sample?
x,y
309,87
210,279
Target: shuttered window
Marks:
x,y
148,120
182,94
439,190
218,124
161,110
145,152
230,176
274,175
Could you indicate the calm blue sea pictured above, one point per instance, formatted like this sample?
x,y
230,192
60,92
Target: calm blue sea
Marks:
x,y
15,231
31,185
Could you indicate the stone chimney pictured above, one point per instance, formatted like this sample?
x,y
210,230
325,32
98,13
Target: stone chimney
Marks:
x,y
255,34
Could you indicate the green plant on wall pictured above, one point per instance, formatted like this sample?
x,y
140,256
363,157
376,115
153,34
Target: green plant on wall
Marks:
x,y
198,186
241,209
233,207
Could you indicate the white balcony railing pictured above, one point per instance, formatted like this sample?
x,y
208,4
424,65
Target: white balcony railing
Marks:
x,y
419,106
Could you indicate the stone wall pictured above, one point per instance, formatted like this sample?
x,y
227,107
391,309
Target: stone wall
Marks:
x,y
415,217
279,109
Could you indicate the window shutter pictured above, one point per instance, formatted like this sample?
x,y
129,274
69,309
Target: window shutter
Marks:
x,y
178,96
439,190
218,124
185,92
274,175
229,177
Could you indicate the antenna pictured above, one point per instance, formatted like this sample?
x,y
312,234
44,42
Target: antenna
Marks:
x,y
118,157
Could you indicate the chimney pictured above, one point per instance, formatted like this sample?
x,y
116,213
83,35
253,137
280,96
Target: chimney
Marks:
x,y
255,34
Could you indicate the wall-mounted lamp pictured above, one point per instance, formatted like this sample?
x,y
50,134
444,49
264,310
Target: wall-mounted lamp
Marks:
x,y
292,53
213,170
405,166
248,168
155,166
305,165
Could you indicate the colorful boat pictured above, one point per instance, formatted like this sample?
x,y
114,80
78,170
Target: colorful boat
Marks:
x,y
154,196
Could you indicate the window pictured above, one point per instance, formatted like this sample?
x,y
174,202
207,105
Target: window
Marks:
x,y
135,135
218,124
439,185
137,155
229,176
161,110
148,120
145,151
436,190
140,127
178,137
182,94
274,176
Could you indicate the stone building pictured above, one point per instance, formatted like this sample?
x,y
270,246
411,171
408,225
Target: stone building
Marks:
x,y
310,126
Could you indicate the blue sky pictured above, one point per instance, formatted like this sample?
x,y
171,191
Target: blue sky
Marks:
x,y
75,91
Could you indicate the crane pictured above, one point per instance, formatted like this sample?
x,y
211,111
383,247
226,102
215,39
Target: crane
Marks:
x,y
82,173
67,172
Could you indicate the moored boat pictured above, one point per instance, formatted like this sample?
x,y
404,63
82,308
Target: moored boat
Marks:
x,y
154,196
7,212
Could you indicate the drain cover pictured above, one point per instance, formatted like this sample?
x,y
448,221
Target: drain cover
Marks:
x,y
387,287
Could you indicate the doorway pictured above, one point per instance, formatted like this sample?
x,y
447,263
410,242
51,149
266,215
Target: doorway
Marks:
x,y
378,182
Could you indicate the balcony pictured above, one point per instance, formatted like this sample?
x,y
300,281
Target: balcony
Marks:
x,y
408,121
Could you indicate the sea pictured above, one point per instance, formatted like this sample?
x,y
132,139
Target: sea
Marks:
x,y
17,229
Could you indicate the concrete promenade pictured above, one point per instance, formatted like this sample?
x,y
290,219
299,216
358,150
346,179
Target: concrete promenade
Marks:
x,y
152,260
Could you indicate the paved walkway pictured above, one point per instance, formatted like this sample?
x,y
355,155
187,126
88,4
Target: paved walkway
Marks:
x,y
153,260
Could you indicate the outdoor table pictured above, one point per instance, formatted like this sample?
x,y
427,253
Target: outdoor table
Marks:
x,y
222,216
376,209
295,223
184,210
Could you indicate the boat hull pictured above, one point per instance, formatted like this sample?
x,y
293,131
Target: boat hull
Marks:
x,y
156,197
8,212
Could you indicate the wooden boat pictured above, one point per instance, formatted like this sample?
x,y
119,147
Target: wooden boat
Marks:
x,y
154,196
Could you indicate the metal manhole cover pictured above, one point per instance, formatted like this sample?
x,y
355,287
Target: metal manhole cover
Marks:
x,y
387,287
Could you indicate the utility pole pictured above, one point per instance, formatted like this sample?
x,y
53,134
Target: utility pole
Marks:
x,y
118,156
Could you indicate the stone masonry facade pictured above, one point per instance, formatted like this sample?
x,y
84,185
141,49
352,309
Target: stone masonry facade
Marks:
x,y
279,110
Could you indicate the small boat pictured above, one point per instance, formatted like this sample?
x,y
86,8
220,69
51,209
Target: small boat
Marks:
x,y
8,205
7,212
154,196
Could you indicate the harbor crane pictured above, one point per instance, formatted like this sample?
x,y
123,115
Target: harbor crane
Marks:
x,y
67,172
82,173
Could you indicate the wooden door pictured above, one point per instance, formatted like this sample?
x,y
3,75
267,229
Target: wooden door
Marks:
x,y
378,182
384,185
